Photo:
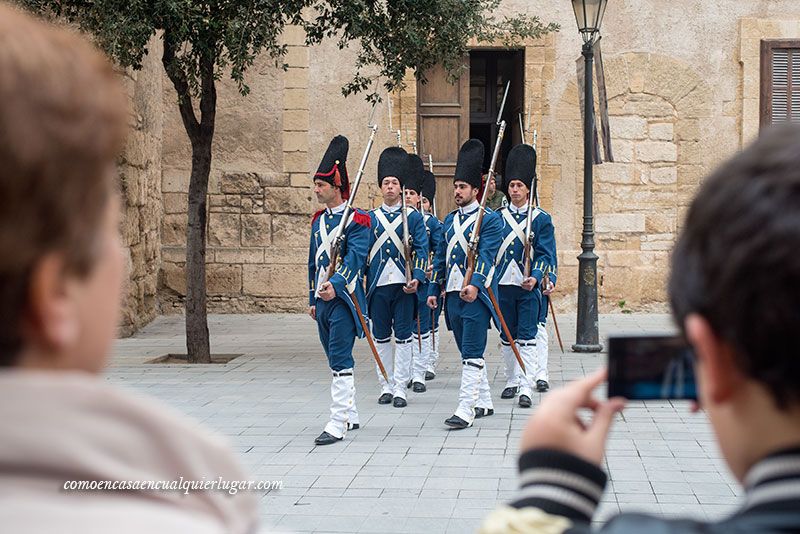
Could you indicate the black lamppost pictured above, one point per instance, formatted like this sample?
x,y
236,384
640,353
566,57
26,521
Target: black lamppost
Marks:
x,y
589,16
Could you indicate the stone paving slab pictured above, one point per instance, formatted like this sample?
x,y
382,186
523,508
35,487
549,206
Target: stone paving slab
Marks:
x,y
404,471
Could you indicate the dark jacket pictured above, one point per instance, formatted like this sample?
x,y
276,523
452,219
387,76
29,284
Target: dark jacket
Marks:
x,y
560,492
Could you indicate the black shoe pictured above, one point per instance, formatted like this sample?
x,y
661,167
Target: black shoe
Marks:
x,y
400,402
386,398
326,439
509,393
524,401
419,387
483,412
457,423
430,375
353,426
542,386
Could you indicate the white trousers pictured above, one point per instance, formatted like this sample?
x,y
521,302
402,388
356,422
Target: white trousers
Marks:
x,y
485,392
542,351
420,359
511,367
433,358
471,374
343,403
402,366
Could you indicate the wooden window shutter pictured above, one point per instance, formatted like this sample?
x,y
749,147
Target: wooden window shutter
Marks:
x,y
780,82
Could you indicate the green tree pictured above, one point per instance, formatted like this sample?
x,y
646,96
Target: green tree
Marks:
x,y
204,40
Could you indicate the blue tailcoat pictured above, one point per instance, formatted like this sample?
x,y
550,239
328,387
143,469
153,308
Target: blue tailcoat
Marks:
x,y
543,253
435,232
352,257
488,244
419,243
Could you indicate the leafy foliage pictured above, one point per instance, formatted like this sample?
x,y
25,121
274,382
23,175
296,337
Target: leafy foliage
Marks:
x,y
396,35
392,35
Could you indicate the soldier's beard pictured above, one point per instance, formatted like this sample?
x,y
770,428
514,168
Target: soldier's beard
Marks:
x,y
462,201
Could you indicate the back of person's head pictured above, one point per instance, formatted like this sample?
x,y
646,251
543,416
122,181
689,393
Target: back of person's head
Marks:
x,y
737,261
63,117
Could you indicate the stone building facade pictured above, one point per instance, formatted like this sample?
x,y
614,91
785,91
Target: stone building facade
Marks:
x,y
683,81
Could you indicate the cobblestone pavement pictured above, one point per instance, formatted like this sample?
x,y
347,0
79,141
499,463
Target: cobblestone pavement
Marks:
x,y
403,471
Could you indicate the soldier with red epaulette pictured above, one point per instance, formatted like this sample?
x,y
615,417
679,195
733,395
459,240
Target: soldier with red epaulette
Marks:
x,y
331,300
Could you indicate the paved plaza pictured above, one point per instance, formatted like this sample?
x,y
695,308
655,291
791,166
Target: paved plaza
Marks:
x,y
404,471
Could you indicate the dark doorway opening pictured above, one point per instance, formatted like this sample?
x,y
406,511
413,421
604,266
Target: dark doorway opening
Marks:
x,y
489,72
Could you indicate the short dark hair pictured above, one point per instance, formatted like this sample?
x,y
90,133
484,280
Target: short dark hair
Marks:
x,y
737,260
63,119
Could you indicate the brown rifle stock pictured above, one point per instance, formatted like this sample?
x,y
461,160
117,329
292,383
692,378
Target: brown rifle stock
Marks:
x,y
506,331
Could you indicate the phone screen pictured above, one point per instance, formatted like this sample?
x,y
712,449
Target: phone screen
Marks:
x,y
651,367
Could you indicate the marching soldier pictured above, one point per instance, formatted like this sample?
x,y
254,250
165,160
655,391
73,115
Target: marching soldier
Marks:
x,y
468,308
519,295
396,263
421,347
430,321
331,300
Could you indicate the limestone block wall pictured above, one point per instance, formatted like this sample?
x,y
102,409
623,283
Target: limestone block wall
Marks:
x,y
140,176
259,202
683,87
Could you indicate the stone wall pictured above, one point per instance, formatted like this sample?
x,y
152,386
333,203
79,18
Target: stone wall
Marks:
x,y
258,208
140,174
679,104
683,96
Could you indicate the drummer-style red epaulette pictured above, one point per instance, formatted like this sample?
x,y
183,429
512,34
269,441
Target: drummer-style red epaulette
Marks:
x,y
362,218
316,216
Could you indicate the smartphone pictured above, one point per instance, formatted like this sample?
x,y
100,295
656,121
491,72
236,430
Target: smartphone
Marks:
x,y
650,367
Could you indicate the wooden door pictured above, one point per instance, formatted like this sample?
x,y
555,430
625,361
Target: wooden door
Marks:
x,y
442,126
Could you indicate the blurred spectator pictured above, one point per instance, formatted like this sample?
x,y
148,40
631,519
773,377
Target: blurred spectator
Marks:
x,y
735,294
63,119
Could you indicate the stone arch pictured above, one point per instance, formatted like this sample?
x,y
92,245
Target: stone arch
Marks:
x,y
657,107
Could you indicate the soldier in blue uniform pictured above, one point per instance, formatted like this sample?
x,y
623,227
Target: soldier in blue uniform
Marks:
x,y
429,319
421,348
330,301
468,309
520,297
391,297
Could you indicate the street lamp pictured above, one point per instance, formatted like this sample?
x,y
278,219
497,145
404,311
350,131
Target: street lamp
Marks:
x,y
589,16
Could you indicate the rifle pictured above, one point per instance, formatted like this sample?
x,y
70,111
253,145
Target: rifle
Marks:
x,y
473,241
433,200
472,253
532,203
336,245
546,282
432,252
534,198
412,143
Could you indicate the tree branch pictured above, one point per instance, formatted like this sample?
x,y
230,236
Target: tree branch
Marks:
x,y
178,78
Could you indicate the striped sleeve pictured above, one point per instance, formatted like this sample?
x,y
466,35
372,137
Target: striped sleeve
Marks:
x,y
559,484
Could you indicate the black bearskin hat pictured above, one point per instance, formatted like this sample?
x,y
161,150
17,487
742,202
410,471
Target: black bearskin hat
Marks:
x,y
469,163
520,165
429,186
333,168
393,162
416,173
